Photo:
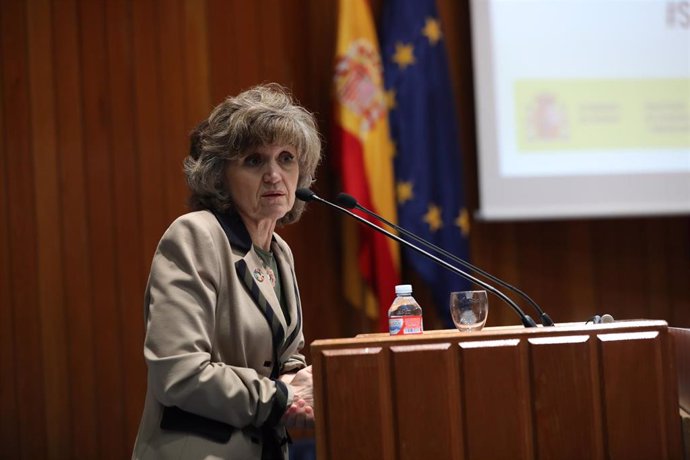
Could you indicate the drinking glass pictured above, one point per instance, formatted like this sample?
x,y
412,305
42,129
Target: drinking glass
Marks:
x,y
469,310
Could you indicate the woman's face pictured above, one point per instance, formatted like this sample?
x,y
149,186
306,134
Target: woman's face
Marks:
x,y
262,183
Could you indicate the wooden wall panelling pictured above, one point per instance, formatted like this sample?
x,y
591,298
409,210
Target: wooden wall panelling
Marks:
x,y
98,148
655,270
566,400
223,41
676,235
453,20
496,251
639,410
9,430
481,246
23,255
435,399
173,134
45,162
580,284
619,245
76,271
196,96
540,250
277,42
633,298
481,361
309,51
245,60
556,267
148,127
505,251
130,272
606,267
320,38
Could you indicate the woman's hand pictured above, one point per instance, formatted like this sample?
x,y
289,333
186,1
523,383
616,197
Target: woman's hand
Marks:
x,y
300,414
303,386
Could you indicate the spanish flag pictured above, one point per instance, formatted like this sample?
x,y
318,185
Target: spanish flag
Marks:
x,y
365,152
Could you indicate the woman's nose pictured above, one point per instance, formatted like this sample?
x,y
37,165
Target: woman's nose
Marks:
x,y
271,173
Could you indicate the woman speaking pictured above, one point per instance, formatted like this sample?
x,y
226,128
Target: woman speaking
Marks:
x,y
222,307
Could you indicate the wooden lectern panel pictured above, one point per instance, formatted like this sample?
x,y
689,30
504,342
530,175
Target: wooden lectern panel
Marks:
x,y
681,340
635,400
564,376
572,391
425,387
497,419
681,344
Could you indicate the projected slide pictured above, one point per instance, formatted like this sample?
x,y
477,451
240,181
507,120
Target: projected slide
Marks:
x,y
580,89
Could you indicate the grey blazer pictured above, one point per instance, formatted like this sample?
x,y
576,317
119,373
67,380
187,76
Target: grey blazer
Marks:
x,y
216,342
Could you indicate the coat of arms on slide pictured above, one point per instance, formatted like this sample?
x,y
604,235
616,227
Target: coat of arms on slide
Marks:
x,y
546,119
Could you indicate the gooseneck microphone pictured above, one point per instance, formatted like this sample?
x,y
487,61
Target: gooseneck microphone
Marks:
x,y
307,195
349,202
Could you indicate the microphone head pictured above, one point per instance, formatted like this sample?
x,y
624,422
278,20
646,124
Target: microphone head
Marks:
x,y
606,318
305,194
346,201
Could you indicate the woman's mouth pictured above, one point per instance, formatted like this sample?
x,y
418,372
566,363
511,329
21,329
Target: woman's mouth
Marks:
x,y
272,194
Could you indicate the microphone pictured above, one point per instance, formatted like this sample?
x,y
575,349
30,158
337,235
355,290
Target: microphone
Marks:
x,y
603,319
307,195
348,201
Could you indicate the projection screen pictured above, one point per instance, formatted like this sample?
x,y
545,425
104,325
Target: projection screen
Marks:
x,y
583,107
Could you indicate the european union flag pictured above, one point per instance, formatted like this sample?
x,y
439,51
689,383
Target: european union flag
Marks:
x,y
428,168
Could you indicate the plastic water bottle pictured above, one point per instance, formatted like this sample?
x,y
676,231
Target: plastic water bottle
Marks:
x,y
405,314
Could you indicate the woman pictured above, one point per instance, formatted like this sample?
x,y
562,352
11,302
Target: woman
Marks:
x,y
222,308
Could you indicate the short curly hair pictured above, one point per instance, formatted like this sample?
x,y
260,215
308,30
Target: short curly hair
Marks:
x,y
262,115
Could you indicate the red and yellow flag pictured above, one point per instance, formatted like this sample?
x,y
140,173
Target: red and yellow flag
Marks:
x,y
365,159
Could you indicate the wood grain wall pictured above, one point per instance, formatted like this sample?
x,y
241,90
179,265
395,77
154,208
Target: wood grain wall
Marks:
x,y
96,100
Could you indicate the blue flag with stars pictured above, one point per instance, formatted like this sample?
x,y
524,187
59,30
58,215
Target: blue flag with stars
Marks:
x,y
428,169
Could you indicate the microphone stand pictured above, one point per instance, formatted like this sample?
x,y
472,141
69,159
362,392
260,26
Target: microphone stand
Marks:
x,y
348,201
308,195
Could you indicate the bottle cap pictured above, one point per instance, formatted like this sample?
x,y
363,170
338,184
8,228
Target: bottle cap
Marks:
x,y
403,289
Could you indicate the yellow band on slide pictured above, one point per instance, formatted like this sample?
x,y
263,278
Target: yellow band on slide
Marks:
x,y
602,114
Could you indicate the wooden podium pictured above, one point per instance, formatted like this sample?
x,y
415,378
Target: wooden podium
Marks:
x,y
571,391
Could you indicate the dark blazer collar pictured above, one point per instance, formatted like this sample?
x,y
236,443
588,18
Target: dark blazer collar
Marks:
x,y
235,230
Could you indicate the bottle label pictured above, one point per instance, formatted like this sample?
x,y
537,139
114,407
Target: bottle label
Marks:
x,y
404,325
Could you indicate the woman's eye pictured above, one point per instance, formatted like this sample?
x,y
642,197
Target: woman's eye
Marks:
x,y
287,157
252,160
